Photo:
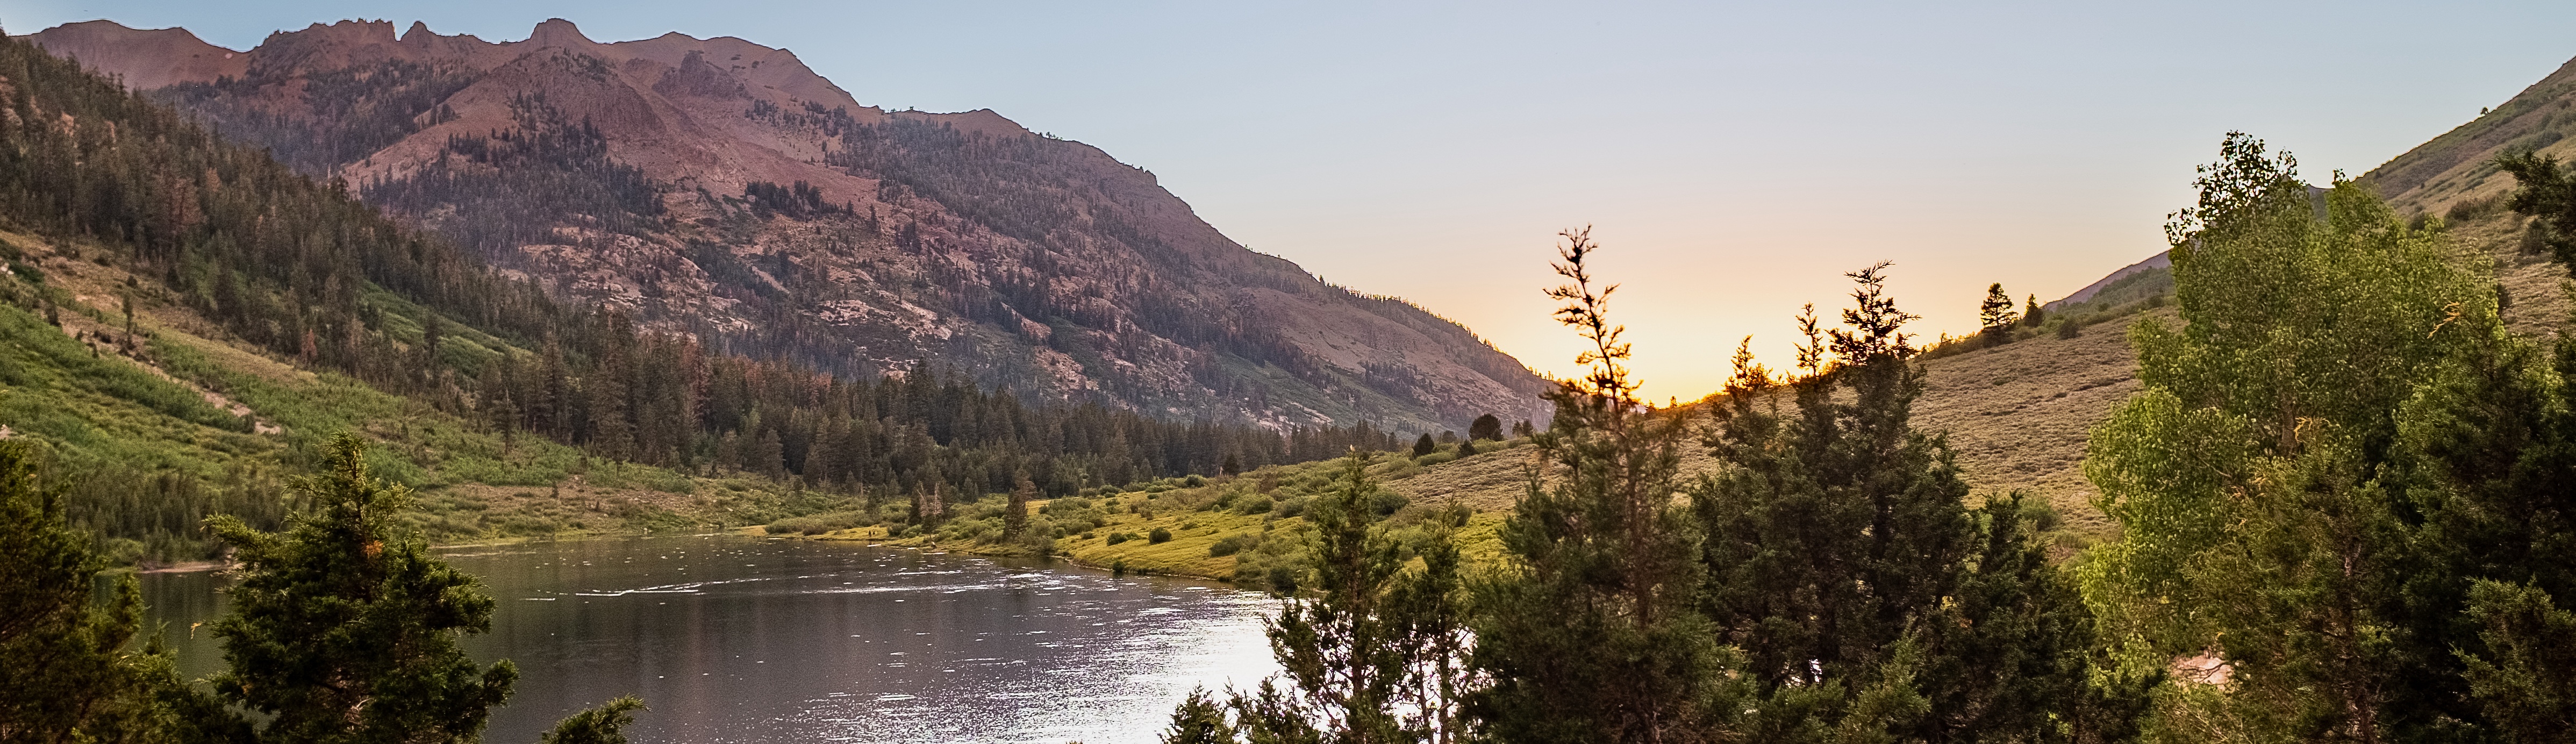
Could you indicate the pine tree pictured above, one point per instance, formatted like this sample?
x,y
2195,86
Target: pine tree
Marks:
x,y
2548,191
1199,720
1015,516
1589,631
344,629
2031,314
1342,648
67,664
1843,555
1997,310
605,724
1424,446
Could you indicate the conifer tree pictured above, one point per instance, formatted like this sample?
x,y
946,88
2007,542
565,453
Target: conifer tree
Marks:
x,y
1015,516
345,629
1342,648
1997,309
2031,314
1199,720
1589,631
67,664
2547,190
1424,446
1844,557
605,724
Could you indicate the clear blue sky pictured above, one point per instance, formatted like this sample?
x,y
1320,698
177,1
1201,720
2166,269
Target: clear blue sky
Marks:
x,y
1733,157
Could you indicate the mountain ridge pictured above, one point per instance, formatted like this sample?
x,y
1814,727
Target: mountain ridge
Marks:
x,y
722,188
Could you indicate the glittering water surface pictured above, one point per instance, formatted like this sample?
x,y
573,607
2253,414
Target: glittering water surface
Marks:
x,y
733,639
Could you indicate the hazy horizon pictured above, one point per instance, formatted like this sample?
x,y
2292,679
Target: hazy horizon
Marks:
x,y
1733,160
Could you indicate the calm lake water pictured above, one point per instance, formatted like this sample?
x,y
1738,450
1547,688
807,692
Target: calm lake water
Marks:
x,y
733,639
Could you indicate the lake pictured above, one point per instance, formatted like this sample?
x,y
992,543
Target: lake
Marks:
x,y
735,639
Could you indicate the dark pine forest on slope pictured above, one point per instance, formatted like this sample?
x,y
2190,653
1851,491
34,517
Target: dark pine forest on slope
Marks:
x,y
97,179
721,189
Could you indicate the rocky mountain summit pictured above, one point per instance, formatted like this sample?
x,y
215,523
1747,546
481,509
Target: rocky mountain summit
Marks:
x,y
722,188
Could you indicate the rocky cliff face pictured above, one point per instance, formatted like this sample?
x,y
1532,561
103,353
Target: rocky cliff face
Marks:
x,y
720,187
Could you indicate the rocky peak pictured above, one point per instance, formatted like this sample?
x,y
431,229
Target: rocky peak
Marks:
x,y
722,188
557,32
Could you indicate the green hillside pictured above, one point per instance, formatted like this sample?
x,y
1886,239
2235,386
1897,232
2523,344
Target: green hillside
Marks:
x,y
189,320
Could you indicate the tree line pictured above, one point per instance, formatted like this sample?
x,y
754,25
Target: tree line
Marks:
x,y
343,627
305,271
2344,502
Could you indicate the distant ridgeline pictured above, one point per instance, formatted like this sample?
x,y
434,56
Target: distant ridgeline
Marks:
x,y
306,273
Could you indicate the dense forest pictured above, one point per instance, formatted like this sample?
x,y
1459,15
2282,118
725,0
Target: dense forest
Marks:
x,y
307,272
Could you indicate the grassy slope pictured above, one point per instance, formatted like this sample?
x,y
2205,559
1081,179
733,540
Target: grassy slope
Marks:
x,y
180,405
2017,415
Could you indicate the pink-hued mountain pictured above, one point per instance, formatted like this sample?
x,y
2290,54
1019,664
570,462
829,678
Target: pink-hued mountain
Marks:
x,y
721,187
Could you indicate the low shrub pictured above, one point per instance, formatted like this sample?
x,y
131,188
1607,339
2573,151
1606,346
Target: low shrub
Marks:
x,y
1228,546
1158,536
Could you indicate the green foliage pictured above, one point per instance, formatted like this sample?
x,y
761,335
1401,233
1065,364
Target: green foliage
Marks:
x,y
605,724
1485,427
1424,446
1158,536
344,629
1844,558
1589,632
2547,190
67,664
2522,680
1370,651
1199,720
2340,440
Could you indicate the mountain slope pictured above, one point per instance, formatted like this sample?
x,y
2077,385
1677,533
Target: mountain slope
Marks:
x,y
184,322
2452,177
721,187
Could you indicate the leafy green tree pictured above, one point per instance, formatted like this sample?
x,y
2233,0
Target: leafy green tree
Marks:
x,y
1589,630
66,664
2254,480
344,628
1487,426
